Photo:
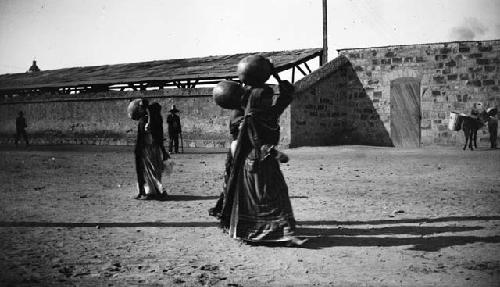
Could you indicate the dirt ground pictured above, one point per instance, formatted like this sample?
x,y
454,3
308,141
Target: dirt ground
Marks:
x,y
375,217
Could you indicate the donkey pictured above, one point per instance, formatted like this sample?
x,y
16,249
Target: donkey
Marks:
x,y
470,125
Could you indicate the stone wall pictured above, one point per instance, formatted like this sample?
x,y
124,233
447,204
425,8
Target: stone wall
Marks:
x,y
453,76
101,118
331,107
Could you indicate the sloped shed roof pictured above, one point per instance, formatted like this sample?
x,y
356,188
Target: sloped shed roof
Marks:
x,y
212,67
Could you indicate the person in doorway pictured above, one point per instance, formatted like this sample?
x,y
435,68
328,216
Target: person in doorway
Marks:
x,y
174,129
493,126
21,126
475,115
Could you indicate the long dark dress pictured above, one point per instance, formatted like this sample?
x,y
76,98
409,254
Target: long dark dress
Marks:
x,y
257,207
234,124
149,159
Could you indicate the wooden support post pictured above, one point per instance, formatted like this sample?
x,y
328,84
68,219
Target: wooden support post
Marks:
x,y
325,35
307,67
293,74
302,71
194,84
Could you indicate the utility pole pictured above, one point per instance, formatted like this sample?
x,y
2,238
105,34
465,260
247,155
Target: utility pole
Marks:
x,y
324,58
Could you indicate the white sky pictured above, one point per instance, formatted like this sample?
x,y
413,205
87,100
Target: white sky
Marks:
x,y
68,33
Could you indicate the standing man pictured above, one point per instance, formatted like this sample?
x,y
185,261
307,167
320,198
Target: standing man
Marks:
x,y
174,129
21,128
493,126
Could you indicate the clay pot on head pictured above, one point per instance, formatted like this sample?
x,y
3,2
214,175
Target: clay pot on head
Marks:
x,y
227,94
136,109
254,70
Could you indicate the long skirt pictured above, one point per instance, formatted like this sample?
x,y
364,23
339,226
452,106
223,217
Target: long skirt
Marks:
x,y
261,210
150,159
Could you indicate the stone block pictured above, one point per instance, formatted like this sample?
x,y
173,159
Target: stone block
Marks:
x,y
389,54
451,64
475,69
446,71
485,48
385,61
440,57
483,61
439,80
489,69
445,50
397,60
425,124
476,83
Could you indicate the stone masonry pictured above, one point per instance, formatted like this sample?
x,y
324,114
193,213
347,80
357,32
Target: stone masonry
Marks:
x,y
101,118
348,99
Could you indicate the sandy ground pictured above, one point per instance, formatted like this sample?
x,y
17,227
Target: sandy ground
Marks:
x,y
67,217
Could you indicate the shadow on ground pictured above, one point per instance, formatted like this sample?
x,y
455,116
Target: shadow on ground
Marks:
x,y
336,235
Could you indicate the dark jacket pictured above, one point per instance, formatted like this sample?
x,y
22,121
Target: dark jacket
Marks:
x,y
21,123
174,124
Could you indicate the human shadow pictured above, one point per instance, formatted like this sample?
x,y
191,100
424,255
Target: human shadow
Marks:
x,y
428,244
107,224
389,230
415,236
302,225
420,238
404,220
184,197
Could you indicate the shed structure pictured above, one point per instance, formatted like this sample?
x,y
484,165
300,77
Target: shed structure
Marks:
x,y
87,105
